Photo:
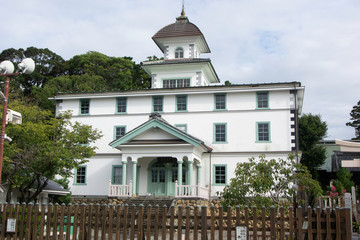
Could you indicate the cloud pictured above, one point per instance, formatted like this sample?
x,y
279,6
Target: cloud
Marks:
x,y
313,42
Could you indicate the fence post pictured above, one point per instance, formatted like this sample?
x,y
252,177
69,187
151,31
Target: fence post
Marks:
x,y
299,216
179,222
203,222
348,224
272,223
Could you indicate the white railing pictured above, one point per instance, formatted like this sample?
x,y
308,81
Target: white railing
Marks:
x,y
191,191
331,202
120,190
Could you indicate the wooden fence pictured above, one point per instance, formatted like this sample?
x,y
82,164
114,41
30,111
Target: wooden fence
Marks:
x,y
147,222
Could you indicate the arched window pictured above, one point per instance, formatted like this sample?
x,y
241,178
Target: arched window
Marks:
x,y
179,52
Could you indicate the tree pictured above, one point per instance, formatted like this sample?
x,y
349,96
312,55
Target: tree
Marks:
x,y
118,73
355,120
43,147
90,72
311,130
48,65
264,182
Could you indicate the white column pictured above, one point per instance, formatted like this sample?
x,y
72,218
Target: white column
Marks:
x,y
180,162
190,169
124,172
134,170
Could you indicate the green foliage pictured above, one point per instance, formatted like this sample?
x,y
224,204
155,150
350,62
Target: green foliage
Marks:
x,y
356,227
90,72
355,120
66,199
311,130
117,73
343,181
263,182
43,147
154,58
48,65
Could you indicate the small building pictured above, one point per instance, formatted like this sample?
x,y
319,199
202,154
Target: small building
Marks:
x,y
340,153
185,135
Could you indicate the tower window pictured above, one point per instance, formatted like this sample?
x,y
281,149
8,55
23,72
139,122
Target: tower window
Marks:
x,y
176,83
179,53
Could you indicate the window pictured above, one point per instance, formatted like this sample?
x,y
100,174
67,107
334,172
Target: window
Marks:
x,y
119,131
84,106
179,52
181,103
220,133
182,127
262,99
220,101
80,175
219,174
263,132
116,174
176,83
158,104
121,105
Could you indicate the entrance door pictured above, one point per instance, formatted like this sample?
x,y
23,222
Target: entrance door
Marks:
x,y
162,176
157,184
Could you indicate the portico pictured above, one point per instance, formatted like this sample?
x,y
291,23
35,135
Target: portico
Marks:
x,y
157,156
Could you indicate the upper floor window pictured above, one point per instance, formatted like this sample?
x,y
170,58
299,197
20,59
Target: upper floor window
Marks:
x,y
263,132
121,105
262,99
220,101
179,52
80,175
181,103
176,83
119,131
84,106
158,104
220,133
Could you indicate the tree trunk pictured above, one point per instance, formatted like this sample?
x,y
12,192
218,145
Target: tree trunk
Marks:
x,y
8,194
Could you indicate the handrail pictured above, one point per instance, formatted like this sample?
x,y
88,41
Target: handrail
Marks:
x,y
120,190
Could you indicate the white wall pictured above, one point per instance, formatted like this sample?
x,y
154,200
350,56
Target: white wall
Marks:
x,y
240,116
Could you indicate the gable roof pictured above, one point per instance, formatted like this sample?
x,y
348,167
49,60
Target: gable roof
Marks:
x,y
156,121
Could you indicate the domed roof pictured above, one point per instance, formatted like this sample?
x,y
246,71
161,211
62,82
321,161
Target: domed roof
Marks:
x,y
180,28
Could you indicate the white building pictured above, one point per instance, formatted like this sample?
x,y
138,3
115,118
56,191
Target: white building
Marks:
x,y
186,128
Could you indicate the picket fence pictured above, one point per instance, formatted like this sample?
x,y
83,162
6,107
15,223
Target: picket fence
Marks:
x,y
97,222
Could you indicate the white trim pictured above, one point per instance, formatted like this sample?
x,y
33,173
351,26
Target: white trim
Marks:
x,y
184,91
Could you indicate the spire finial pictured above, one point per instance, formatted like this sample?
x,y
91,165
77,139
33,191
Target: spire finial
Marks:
x,y
183,11
182,17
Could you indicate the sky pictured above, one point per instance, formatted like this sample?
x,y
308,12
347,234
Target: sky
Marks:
x,y
259,41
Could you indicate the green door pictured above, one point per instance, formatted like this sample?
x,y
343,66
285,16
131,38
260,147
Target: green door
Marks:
x,y
162,177
157,184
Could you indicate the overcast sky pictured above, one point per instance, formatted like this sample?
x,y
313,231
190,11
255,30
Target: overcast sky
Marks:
x,y
314,42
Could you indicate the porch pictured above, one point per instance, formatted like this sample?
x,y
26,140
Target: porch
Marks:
x,y
158,159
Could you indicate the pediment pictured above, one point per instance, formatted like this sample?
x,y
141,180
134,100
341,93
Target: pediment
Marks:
x,y
157,131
